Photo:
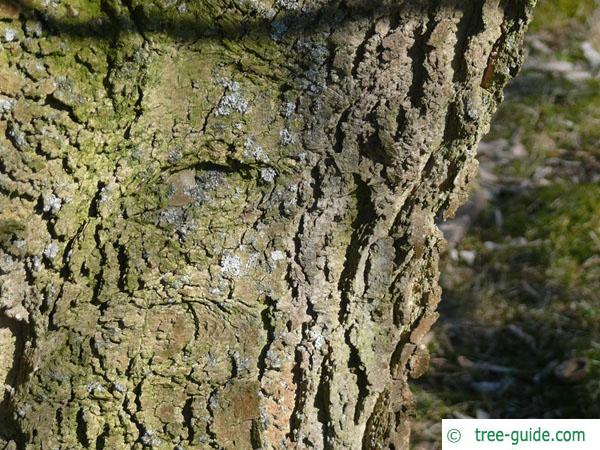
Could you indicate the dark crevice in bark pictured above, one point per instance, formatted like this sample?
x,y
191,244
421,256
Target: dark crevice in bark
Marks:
x,y
331,69
101,439
445,188
400,122
136,14
209,430
363,223
356,366
59,105
188,417
93,209
38,208
396,356
138,110
370,142
123,262
207,117
299,396
128,20
59,418
323,402
418,54
131,409
233,166
374,423
297,375
338,139
10,194
269,327
454,128
96,354
99,277
316,186
106,83
196,320
65,270
51,324
470,24
81,430
361,50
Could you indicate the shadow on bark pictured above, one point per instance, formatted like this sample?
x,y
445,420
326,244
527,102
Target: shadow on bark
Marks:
x,y
123,17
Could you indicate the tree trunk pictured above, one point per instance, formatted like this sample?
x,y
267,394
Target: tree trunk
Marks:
x,y
218,218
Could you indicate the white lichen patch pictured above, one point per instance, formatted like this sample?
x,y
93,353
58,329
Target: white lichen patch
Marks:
x,y
174,155
17,135
52,203
231,265
34,264
51,250
287,109
19,243
7,262
287,4
9,35
176,217
6,104
232,101
206,183
24,409
119,387
253,260
287,137
268,174
277,255
255,151
95,387
33,28
149,439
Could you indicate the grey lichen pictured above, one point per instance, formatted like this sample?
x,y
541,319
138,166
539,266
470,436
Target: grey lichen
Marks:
x,y
9,34
52,203
255,151
232,101
268,174
6,104
277,255
288,109
231,265
51,250
287,137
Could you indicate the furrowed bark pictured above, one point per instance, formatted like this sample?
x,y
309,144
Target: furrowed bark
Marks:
x,y
218,218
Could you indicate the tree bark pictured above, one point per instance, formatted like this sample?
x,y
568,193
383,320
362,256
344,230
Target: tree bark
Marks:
x,y
218,218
